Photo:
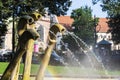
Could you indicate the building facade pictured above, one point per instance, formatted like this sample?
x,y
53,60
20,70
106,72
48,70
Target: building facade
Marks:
x,y
101,29
44,24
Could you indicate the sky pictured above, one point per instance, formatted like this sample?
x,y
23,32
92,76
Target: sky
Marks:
x,y
96,9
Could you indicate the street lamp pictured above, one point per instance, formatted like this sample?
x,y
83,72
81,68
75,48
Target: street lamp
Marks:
x,y
13,31
97,28
95,36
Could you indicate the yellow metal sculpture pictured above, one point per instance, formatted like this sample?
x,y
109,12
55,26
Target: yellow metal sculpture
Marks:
x,y
27,64
27,35
52,41
36,16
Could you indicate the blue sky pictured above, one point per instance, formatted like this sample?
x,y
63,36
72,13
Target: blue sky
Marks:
x,y
96,9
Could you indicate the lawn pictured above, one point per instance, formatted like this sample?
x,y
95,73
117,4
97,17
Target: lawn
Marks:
x,y
62,70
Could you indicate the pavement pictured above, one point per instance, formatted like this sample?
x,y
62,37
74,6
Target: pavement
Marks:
x,y
63,78
79,78
76,78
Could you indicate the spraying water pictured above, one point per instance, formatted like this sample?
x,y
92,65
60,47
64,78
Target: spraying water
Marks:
x,y
91,55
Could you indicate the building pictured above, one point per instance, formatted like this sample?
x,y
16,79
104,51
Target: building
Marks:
x,y
102,33
43,27
101,29
8,36
66,21
44,24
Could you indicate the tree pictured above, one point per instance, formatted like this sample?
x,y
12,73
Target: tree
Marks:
x,y
112,7
21,7
84,26
3,30
17,8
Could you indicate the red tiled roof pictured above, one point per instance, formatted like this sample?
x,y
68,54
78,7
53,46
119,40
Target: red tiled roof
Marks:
x,y
102,25
65,20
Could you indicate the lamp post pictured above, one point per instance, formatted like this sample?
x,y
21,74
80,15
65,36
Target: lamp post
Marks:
x,y
13,32
95,35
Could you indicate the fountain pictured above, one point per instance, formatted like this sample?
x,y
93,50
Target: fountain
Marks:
x,y
94,60
52,40
90,54
28,35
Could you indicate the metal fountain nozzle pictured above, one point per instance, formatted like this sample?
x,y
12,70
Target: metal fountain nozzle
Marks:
x,y
54,30
36,16
28,19
26,23
22,24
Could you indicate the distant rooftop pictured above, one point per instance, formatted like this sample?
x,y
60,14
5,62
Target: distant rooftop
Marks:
x,y
65,20
102,25
101,28
104,42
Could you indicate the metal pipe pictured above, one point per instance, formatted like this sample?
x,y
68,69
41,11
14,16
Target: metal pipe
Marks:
x,y
52,41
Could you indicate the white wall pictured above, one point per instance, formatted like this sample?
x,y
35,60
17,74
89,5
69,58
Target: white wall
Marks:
x,y
107,37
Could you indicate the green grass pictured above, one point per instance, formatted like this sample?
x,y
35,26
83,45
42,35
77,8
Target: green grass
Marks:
x,y
61,70
3,66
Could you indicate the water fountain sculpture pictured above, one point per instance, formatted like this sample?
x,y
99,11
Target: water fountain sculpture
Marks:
x,y
27,36
52,41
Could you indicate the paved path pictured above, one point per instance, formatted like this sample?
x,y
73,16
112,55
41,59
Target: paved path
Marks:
x,y
51,78
59,78
75,78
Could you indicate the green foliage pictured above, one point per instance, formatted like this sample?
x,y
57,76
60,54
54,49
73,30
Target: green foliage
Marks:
x,y
95,1
70,40
84,24
17,8
84,28
3,29
114,24
112,7
22,7
58,7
